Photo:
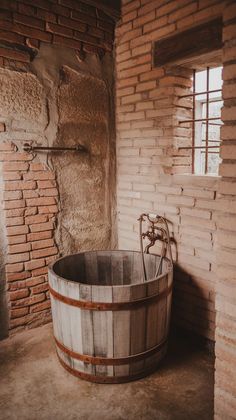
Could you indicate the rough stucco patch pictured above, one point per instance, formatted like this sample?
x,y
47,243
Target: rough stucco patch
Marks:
x,y
88,98
22,97
83,178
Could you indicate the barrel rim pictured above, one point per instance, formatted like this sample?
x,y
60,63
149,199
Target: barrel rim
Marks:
x,y
168,271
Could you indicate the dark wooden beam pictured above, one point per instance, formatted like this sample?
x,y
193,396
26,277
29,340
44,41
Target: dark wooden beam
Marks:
x,y
193,42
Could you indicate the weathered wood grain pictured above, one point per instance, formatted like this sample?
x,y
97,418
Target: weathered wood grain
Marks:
x,y
193,42
82,333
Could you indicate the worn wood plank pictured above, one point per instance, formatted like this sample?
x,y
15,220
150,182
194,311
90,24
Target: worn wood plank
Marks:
x,y
127,258
91,267
87,327
138,327
193,42
104,267
116,268
137,269
121,330
103,329
162,310
75,323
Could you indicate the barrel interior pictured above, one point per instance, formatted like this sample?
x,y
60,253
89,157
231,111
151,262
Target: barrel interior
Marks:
x,y
108,267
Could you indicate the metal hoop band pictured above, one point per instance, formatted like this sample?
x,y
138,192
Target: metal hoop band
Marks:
x,y
111,306
110,361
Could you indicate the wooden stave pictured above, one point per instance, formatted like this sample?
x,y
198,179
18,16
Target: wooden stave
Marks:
x,y
101,372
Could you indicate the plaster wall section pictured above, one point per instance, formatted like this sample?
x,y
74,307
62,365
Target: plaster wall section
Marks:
x,y
54,90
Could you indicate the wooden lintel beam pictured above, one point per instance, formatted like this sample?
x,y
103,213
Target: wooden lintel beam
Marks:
x,y
193,42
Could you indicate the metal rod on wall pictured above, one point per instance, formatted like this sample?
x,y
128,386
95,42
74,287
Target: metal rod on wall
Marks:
x,y
198,147
78,148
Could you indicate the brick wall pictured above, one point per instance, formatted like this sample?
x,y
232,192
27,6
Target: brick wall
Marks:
x,y
150,166
70,23
29,190
30,204
152,173
225,383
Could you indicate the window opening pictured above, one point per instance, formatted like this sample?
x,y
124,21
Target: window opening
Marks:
x,y
207,101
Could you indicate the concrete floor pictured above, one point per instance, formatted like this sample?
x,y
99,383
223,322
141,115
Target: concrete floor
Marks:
x,y
33,385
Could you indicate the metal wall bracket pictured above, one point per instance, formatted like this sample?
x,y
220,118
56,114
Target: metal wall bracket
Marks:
x,y
78,148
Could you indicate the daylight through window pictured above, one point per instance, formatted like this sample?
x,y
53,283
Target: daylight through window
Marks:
x,y
206,120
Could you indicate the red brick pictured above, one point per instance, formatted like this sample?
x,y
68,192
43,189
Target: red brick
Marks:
x,y
40,271
39,236
16,285
42,201
89,20
15,258
12,195
31,265
28,20
39,175
27,31
11,176
46,243
35,219
26,9
16,157
30,194
14,204
31,300
40,288
13,55
14,221
86,38
48,210
70,43
59,30
48,192
37,167
14,268
34,281
42,4
21,166
20,185
40,227
46,184
16,313
40,307
17,230
69,23
45,15
14,249
40,253
51,259
30,211
11,37
19,294
60,10
15,212
18,276
19,239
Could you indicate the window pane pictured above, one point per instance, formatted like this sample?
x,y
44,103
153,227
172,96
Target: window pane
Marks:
x,y
200,81
215,78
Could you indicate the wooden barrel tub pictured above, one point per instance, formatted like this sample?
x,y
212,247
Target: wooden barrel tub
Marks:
x,y
109,325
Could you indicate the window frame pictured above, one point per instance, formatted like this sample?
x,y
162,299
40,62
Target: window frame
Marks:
x,y
195,120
